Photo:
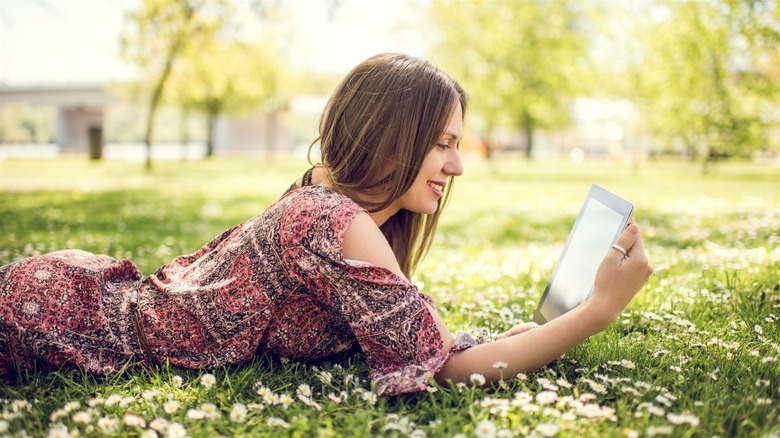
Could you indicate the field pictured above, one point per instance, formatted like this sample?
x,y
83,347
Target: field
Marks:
x,y
696,354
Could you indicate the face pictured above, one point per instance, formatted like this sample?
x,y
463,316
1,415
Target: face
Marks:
x,y
442,162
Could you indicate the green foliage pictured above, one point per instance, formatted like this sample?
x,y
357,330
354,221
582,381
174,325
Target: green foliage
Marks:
x,y
159,33
696,354
520,60
24,123
702,73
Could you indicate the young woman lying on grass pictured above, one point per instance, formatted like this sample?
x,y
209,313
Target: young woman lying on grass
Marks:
x,y
324,269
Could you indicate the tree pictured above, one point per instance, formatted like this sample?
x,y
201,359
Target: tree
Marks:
x,y
699,78
524,59
156,36
227,77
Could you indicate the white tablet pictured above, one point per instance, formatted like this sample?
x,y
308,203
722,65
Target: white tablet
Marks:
x,y
602,218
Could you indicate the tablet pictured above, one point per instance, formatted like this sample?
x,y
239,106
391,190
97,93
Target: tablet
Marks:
x,y
602,218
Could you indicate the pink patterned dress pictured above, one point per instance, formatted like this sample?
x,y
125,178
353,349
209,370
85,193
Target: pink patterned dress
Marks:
x,y
277,283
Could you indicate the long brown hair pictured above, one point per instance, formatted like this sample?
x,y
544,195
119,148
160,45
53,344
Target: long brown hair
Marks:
x,y
377,128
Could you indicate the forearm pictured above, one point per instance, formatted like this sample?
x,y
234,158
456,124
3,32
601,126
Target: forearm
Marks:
x,y
527,351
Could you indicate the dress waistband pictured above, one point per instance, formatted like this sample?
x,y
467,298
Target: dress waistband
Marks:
x,y
135,320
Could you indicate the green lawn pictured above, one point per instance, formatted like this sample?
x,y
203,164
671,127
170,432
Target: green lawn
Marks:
x,y
696,354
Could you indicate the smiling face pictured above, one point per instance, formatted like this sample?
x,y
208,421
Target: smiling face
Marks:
x,y
441,163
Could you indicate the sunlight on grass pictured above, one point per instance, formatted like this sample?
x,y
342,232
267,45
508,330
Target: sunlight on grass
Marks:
x,y
696,354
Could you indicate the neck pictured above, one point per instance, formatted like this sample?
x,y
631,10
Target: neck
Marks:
x,y
379,217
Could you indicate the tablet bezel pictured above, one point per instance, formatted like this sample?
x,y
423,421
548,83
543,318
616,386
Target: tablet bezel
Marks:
x,y
612,201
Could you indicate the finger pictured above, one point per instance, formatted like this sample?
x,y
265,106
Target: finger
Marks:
x,y
639,255
626,241
517,329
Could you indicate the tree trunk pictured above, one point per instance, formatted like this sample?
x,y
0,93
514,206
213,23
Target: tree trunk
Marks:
x,y
155,102
528,127
211,121
184,131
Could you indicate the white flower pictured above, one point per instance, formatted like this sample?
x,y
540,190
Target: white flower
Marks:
x,y
131,420
159,424
149,433
304,390
113,399
285,400
4,426
176,430
277,422
309,402
177,381
195,414
59,430
547,429
208,380
563,383
522,376
758,329
238,413
108,424
370,397
683,418
478,379
210,410
171,406
659,430
150,394
485,429
500,365
546,397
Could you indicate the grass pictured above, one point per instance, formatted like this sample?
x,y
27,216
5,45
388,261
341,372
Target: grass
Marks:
x,y
696,354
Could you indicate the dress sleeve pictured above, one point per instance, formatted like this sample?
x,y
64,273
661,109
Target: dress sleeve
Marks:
x,y
387,314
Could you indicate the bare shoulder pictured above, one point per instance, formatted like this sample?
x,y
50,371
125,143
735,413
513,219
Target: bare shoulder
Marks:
x,y
364,241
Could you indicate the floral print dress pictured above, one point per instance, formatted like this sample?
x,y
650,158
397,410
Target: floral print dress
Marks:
x,y
277,284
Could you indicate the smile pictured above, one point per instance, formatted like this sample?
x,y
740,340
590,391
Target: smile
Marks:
x,y
437,187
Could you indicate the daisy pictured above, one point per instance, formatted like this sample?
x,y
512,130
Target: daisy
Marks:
x,y
59,430
195,414
171,406
108,424
208,380
477,379
277,422
485,429
209,410
176,430
238,413
547,429
131,420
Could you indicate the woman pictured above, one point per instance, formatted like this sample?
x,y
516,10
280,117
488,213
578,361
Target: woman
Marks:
x,y
320,271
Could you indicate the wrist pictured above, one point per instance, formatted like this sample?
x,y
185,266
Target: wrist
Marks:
x,y
599,315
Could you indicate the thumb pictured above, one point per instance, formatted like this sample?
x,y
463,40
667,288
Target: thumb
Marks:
x,y
628,237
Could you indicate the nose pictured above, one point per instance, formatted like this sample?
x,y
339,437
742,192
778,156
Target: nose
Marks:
x,y
453,166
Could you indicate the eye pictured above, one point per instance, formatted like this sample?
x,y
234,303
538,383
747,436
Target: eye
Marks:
x,y
443,145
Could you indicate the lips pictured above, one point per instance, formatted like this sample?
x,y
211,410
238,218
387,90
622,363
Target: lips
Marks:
x,y
436,186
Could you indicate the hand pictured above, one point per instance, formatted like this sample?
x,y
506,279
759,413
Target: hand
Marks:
x,y
516,330
619,277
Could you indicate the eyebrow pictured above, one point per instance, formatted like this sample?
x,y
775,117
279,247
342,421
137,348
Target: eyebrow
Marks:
x,y
446,133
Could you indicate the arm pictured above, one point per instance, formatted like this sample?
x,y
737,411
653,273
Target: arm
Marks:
x,y
618,279
365,242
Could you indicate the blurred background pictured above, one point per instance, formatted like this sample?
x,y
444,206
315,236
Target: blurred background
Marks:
x,y
621,81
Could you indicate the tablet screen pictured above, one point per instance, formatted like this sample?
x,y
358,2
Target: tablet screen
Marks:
x,y
601,220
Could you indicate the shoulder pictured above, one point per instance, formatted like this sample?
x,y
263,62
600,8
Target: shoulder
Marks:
x,y
364,242
314,214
